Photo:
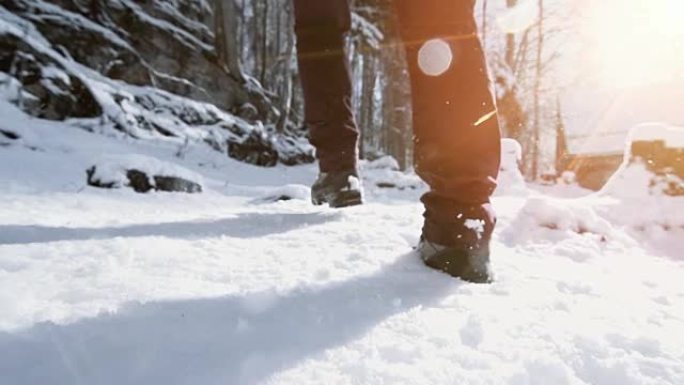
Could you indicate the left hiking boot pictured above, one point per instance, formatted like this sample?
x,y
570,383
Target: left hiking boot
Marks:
x,y
338,189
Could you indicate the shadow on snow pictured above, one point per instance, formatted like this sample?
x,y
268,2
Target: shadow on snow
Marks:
x,y
230,340
249,225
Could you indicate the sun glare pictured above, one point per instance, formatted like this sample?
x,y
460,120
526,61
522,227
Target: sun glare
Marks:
x,y
637,41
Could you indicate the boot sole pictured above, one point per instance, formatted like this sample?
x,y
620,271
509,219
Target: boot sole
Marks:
x,y
474,268
346,199
340,200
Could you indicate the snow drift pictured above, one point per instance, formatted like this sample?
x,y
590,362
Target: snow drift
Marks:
x,y
648,189
511,180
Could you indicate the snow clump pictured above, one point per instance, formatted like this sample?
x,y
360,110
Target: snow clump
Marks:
x,y
511,180
115,171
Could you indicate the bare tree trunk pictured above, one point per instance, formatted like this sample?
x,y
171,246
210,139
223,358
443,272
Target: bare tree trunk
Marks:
x,y
561,139
240,34
225,29
264,43
537,94
510,41
287,76
397,96
368,128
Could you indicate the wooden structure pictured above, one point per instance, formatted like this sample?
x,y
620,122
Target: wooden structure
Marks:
x,y
593,131
592,170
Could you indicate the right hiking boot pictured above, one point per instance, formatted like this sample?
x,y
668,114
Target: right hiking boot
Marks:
x,y
469,264
338,189
456,239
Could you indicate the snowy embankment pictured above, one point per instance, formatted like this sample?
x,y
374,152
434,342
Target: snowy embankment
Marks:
x,y
235,286
58,64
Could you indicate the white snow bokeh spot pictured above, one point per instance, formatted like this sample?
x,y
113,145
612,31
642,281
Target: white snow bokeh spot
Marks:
x,y
435,57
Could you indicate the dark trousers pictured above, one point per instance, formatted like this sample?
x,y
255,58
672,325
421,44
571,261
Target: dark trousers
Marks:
x,y
457,140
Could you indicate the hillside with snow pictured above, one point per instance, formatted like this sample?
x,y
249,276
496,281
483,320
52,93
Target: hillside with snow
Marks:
x,y
148,71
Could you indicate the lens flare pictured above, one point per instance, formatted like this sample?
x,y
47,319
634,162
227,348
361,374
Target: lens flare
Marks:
x,y
637,41
435,57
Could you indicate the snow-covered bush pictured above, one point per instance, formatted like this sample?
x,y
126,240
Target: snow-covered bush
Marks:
x,y
568,217
511,180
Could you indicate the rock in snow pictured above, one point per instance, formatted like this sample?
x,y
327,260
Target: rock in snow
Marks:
x,y
143,174
7,134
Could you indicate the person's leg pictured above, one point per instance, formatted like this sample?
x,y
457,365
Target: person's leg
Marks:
x,y
320,26
457,140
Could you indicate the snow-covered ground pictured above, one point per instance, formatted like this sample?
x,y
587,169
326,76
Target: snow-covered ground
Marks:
x,y
231,286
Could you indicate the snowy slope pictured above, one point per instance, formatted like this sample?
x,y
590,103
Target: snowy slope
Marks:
x,y
65,80
231,287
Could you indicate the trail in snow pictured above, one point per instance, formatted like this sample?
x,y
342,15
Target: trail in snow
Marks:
x,y
230,287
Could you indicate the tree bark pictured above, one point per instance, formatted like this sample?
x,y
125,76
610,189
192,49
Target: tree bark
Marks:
x,y
225,30
510,41
536,134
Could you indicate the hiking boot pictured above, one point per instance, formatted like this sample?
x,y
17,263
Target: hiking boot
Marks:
x,y
338,189
456,239
469,264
